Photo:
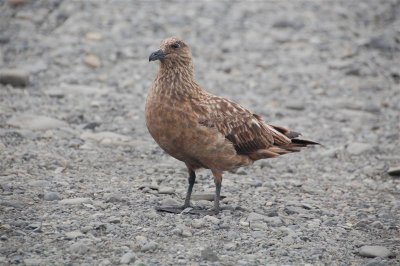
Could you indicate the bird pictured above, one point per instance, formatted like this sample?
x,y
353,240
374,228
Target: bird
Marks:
x,y
204,130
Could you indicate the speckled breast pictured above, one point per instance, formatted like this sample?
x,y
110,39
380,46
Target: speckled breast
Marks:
x,y
167,122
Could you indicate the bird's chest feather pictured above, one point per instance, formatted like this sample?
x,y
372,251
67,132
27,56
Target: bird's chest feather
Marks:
x,y
168,120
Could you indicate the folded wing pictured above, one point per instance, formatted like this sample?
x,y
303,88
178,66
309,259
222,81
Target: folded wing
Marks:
x,y
249,134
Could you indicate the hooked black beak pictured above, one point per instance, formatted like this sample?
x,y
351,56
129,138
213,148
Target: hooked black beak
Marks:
x,y
157,55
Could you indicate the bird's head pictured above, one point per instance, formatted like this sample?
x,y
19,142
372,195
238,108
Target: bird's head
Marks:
x,y
172,51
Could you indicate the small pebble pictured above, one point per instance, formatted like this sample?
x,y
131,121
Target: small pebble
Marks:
x,y
75,201
198,196
92,60
128,258
32,262
209,254
212,219
198,223
35,122
82,247
52,196
394,171
93,36
255,217
166,190
258,225
113,197
150,246
186,232
139,263
295,105
73,234
284,23
39,183
376,262
377,225
230,246
14,77
374,251
170,203
114,220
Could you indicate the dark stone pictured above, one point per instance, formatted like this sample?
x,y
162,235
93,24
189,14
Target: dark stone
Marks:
x,y
91,125
283,23
14,77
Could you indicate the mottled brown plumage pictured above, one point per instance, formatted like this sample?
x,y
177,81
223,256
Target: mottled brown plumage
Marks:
x,y
203,130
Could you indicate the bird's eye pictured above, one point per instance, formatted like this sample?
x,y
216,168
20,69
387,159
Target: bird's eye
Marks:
x,y
175,45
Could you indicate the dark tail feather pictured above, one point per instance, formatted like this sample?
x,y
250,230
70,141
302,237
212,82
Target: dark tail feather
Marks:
x,y
293,135
304,142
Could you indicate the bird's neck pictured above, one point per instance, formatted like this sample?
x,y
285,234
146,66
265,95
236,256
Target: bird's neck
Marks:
x,y
176,80
177,69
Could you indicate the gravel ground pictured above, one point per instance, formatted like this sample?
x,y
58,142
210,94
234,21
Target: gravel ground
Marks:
x,y
80,176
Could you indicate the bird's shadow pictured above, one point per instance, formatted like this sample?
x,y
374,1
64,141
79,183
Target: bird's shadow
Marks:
x,y
196,210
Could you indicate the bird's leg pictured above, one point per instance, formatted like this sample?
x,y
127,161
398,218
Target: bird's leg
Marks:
x,y
218,185
192,179
179,209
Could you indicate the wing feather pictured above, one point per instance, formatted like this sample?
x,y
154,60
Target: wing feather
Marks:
x,y
247,131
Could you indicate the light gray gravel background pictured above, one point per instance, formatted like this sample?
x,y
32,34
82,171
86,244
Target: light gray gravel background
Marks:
x,y
80,176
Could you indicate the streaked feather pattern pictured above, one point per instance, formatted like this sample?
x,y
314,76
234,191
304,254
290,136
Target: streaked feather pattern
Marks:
x,y
249,134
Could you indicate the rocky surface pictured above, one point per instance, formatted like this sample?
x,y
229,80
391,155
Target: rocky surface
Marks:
x,y
80,176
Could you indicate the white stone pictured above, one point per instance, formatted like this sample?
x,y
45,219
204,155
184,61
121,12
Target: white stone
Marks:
x,y
105,137
166,190
75,201
374,251
128,258
198,223
92,61
34,122
73,234
212,219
